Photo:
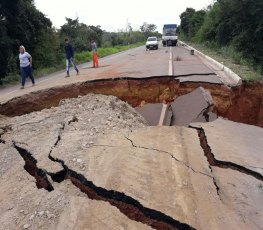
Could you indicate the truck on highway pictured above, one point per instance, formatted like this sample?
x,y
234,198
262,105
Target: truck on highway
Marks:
x,y
169,37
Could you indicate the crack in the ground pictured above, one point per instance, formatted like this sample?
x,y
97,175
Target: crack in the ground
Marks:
x,y
194,74
31,167
73,119
205,112
108,146
212,172
222,164
168,153
4,129
2,141
62,128
127,205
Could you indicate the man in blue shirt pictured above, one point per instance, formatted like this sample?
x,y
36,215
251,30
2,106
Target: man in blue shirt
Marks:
x,y
69,57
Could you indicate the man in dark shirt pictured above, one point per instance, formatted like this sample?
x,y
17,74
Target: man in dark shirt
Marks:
x,y
69,57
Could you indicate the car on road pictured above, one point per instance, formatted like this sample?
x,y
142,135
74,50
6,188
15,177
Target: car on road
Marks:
x,y
152,43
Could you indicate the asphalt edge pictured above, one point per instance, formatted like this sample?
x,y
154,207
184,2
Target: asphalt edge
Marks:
x,y
231,79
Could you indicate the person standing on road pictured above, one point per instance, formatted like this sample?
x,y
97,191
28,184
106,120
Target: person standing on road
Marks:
x,y
69,57
94,54
25,60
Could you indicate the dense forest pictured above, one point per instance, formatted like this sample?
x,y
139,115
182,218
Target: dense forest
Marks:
x,y
234,26
22,24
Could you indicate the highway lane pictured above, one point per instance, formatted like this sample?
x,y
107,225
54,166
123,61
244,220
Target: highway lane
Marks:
x,y
137,63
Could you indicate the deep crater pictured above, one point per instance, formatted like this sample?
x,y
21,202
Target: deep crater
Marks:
x,y
240,104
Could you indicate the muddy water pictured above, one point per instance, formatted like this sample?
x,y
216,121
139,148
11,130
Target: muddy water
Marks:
x,y
241,104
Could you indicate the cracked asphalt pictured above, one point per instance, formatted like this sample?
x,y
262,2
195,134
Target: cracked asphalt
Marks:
x,y
113,170
92,162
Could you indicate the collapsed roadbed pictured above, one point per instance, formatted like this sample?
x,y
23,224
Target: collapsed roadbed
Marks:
x,y
70,161
242,103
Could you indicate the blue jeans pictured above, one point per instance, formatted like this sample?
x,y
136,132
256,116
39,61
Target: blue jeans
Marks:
x,y
26,72
71,61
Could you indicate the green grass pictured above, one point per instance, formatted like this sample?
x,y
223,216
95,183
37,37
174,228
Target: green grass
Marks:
x,y
79,59
232,59
102,52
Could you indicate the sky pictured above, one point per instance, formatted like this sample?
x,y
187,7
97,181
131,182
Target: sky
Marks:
x,y
115,14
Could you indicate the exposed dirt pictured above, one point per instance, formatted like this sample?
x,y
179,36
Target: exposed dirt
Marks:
x,y
241,104
29,198
96,150
64,151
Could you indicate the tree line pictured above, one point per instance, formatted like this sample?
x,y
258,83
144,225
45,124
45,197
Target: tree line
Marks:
x,y
22,24
236,25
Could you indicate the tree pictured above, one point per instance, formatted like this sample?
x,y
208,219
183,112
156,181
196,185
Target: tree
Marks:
x,y
228,23
148,29
186,20
196,21
21,23
80,34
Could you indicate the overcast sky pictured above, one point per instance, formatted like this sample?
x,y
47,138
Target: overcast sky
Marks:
x,y
113,15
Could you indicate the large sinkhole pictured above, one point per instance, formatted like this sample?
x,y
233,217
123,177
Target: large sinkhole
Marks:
x,y
240,104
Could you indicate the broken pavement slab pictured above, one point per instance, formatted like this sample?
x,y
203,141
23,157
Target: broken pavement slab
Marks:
x,y
149,176
159,172
200,78
83,213
234,142
243,194
151,112
187,108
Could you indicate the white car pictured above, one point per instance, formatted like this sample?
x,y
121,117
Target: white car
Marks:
x,y
152,43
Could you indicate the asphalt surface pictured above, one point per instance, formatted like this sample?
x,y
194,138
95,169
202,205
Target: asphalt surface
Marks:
x,y
137,63
119,173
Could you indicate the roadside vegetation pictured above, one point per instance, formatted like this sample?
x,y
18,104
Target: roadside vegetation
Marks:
x,y
230,31
22,24
80,57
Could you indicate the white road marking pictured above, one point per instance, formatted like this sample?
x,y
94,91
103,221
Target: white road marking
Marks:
x,y
162,116
170,71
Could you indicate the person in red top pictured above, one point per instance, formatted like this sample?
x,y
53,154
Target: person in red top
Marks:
x,y
94,54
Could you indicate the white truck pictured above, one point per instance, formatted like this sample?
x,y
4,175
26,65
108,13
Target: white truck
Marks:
x,y
169,37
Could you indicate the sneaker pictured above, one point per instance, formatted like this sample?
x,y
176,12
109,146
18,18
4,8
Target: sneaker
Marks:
x,y
33,84
22,87
78,72
67,75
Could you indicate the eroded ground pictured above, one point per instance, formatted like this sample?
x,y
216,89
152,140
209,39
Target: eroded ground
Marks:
x,y
92,163
71,159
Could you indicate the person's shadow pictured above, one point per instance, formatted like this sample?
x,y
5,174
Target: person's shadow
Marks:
x,y
101,66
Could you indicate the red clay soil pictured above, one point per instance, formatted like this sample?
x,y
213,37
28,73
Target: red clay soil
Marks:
x,y
241,104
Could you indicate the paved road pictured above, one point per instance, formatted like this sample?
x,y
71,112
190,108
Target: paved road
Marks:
x,y
136,63
202,176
